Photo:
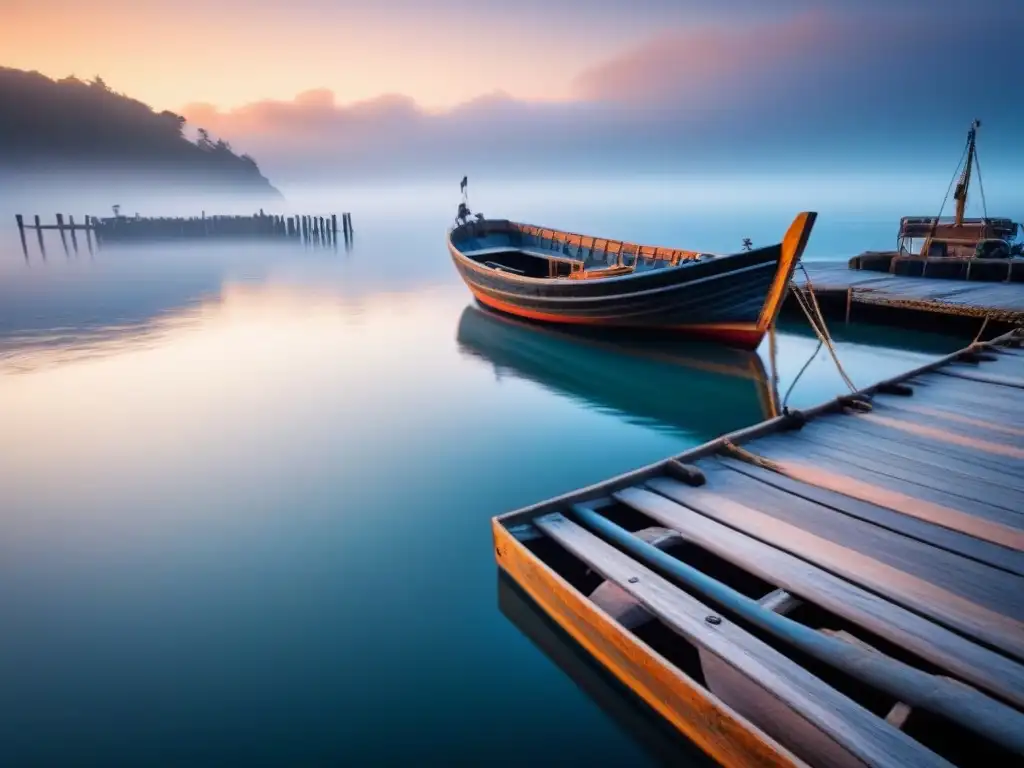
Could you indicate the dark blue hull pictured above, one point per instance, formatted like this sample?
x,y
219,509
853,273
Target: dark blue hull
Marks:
x,y
729,298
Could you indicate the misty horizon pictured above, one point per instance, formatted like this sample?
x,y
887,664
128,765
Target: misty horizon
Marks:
x,y
840,89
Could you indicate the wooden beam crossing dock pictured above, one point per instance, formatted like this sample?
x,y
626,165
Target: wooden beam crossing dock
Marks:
x,y
841,586
888,298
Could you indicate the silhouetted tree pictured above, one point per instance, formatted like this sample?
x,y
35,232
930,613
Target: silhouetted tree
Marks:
x,y
48,122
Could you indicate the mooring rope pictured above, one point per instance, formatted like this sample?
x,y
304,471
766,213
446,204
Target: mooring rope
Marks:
x,y
743,454
980,331
812,310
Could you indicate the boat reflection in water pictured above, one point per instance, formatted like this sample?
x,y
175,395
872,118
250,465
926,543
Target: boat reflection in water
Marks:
x,y
664,744
704,389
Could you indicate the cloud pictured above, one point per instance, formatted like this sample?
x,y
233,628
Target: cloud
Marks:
x,y
826,87
696,61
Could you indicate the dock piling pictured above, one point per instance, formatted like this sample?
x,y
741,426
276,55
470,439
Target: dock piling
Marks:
x,y
317,230
39,236
21,233
74,237
60,230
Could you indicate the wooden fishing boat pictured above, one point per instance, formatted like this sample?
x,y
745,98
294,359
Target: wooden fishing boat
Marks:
x,y
953,247
642,380
561,277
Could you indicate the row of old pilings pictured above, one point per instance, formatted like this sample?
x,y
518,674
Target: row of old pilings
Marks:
x,y
316,230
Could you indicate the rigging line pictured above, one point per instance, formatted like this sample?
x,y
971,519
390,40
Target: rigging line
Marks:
x,y
953,180
981,186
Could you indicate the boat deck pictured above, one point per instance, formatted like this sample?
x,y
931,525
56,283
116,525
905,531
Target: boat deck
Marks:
x,y
839,587
1003,302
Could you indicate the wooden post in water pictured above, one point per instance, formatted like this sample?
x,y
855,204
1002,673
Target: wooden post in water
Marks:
x,y
21,233
39,236
60,230
334,226
74,237
89,224
322,232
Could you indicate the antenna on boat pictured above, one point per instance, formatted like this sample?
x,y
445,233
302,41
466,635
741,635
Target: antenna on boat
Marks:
x,y
464,213
960,194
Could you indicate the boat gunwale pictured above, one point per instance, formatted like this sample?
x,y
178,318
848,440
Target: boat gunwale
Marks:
x,y
565,281
461,257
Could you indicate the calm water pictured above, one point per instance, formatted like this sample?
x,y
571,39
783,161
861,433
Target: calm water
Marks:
x,y
245,494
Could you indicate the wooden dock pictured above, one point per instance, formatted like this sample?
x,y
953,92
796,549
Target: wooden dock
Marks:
x,y
880,296
842,586
318,230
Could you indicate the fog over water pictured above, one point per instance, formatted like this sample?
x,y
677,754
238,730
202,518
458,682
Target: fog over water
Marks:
x,y
245,486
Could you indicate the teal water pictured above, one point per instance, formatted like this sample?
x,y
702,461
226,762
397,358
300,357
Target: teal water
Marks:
x,y
245,493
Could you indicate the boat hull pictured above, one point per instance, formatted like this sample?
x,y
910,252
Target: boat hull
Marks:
x,y
726,299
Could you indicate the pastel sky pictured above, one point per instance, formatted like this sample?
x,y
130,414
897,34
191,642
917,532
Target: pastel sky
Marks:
x,y
312,84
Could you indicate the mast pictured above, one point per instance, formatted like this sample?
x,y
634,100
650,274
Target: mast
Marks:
x,y
960,195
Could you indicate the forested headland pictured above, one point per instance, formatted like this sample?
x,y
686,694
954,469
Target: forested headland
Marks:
x,y
73,126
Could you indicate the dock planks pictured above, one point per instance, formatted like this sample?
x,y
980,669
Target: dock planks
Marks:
x,y
893,526
1000,301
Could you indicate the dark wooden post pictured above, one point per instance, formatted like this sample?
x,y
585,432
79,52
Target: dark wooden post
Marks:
x,y
74,237
39,235
21,233
334,226
60,230
90,223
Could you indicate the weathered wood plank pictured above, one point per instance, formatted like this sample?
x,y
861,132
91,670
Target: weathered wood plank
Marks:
x,y
912,527
999,448
883,494
986,428
972,580
1003,381
780,601
956,490
849,725
936,295
863,430
712,725
753,701
897,456
618,603
957,612
948,650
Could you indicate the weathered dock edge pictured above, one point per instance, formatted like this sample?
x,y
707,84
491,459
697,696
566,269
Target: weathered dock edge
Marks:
x,y
693,709
928,303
